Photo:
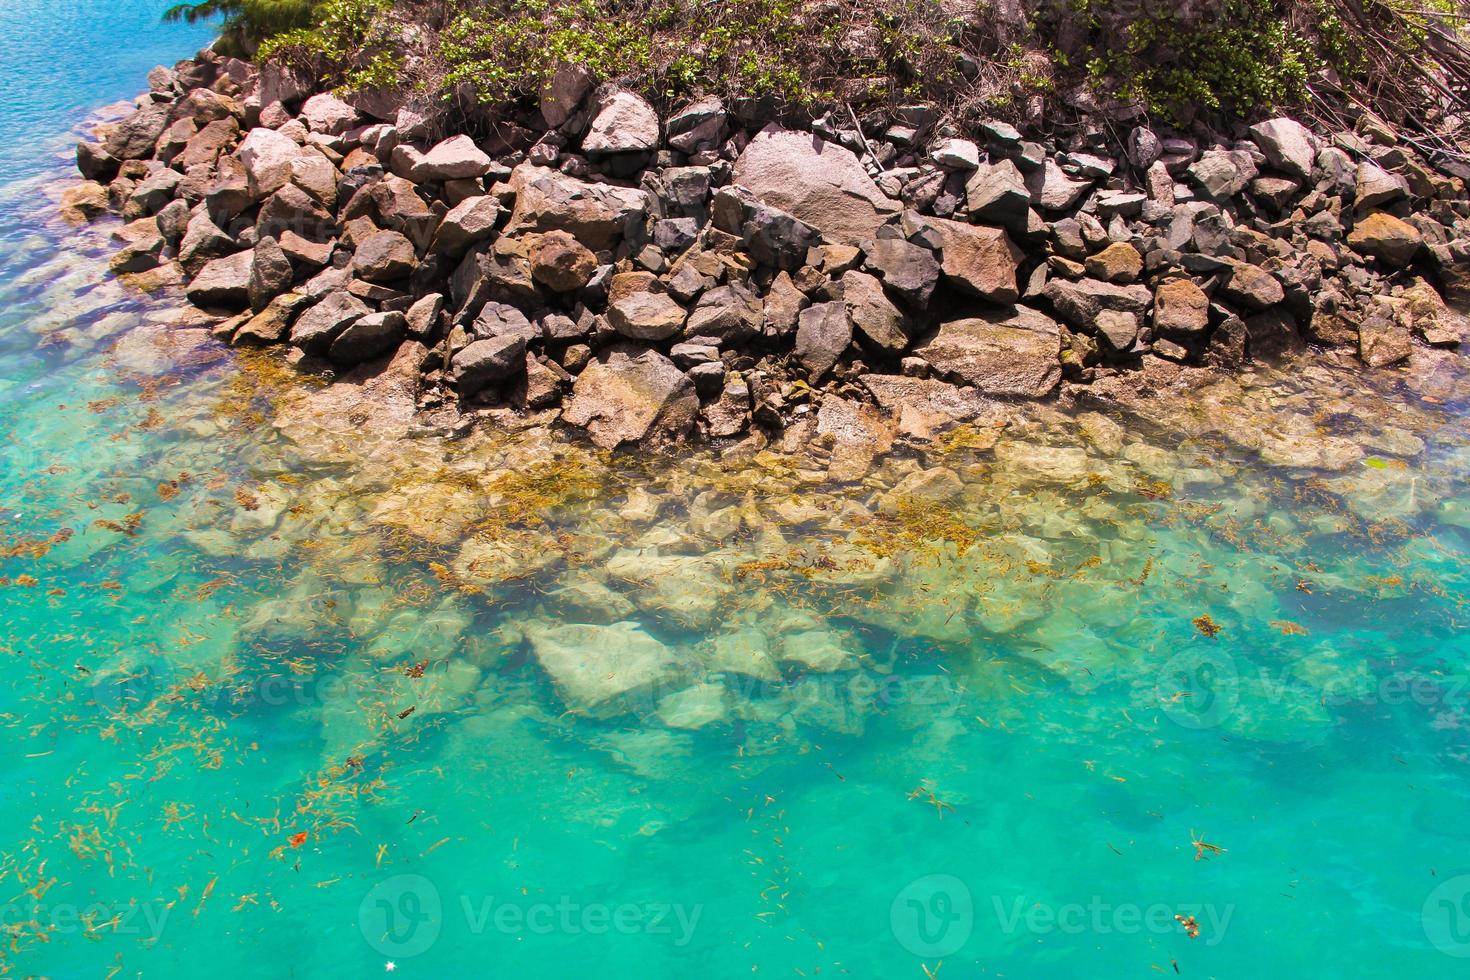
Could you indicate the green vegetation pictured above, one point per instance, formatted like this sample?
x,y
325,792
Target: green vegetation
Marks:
x,y
1248,56
1234,57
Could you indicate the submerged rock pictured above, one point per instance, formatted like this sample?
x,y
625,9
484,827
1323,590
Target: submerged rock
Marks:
x,y
598,668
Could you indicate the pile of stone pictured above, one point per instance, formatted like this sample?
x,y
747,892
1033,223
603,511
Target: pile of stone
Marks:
x,y
660,278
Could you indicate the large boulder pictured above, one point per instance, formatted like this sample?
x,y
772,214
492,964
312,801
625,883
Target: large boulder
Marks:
x,y
488,361
595,214
979,260
822,184
1080,302
383,257
1014,351
223,283
646,315
323,323
596,669
823,332
631,394
325,113
624,123
1288,145
1390,240
456,158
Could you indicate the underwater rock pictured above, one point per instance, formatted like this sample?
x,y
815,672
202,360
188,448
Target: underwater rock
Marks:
x,y
598,668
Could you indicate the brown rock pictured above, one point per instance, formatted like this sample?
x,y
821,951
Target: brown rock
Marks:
x,y
1119,262
1381,235
1181,307
632,394
979,260
560,262
820,183
1014,351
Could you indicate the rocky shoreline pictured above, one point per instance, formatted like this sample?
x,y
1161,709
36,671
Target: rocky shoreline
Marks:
x,y
719,275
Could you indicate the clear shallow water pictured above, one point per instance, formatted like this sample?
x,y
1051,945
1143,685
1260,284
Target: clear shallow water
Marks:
x,y
219,585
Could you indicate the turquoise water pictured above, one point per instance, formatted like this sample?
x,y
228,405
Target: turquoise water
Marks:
x,y
975,737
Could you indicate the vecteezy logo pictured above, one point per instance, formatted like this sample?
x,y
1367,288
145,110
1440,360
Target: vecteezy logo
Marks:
x,y
932,916
1199,688
401,917
125,690
1446,917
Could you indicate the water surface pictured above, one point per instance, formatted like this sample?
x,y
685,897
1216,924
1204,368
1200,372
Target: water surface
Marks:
x,y
885,734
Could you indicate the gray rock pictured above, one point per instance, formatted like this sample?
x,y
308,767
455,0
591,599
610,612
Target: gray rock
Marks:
x,y
315,329
997,193
1052,190
1251,287
646,316
325,113
1081,301
631,394
203,241
1376,186
1221,174
822,184
772,236
823,332
1288,145
423,316
732,314
270,273
624,123
563,92
595,214
503,320
872,314
700,125
1013,352
956,154
471,220
370,337
383,257
909,270
453,159
270,325
223,283
486,362
133,138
